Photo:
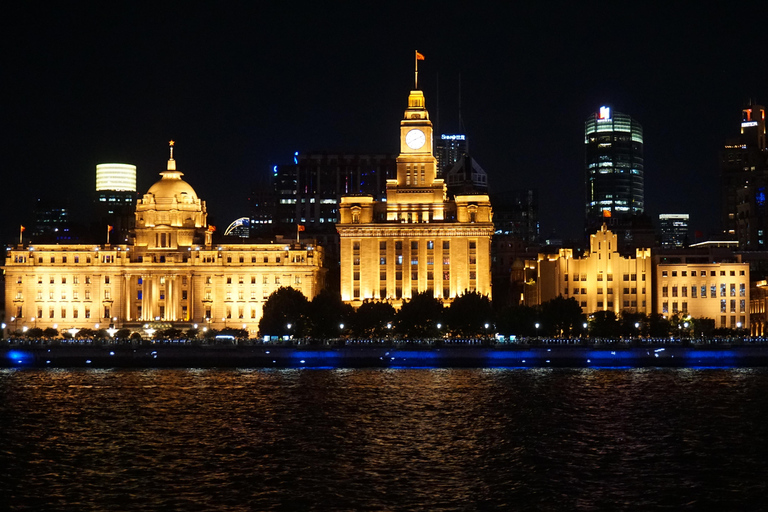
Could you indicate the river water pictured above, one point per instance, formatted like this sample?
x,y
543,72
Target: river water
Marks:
x,y
384,439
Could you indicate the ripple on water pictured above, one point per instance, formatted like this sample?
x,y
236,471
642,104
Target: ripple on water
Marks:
x,y
383,439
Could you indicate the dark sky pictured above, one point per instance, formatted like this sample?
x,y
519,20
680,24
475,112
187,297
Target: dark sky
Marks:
x,y
241,86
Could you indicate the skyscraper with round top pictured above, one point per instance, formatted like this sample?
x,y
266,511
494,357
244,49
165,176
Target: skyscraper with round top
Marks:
x,y
613,167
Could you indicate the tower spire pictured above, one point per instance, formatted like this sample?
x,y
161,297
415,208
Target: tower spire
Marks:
x,y
171,161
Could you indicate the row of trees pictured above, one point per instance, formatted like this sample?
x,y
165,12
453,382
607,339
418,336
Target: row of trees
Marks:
x,y
288,312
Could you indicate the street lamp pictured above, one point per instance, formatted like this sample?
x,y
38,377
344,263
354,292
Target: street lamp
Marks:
x,y
537,329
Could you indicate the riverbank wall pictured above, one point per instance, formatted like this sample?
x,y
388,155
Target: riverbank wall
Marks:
x,y
217,356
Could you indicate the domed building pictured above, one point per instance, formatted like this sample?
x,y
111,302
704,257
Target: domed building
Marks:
x,y
170,215
171,275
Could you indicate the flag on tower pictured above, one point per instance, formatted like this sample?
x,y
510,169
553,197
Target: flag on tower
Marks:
x,y
110,228
419,56
301,227
23,228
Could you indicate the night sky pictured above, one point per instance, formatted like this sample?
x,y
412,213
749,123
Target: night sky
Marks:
x,y
241,86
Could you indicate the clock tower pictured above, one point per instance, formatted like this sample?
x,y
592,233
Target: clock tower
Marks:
x,y
417,240
416,165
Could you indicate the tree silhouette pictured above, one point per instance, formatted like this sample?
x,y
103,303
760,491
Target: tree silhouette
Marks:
x,y
371,319
50,332
517,320
561,317
326,313
285,306
469,313
419,316
605,324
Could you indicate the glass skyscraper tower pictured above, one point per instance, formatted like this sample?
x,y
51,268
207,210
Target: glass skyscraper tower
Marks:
x,y
613,168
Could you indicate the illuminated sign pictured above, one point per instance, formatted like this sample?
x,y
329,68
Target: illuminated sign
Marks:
x,y
748,123
605,113
453,137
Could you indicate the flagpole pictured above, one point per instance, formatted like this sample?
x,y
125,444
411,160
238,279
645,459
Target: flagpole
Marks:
x,y
107,234
21,230
297,234
416,68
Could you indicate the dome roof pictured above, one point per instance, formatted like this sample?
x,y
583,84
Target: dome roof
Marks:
x,y
172,186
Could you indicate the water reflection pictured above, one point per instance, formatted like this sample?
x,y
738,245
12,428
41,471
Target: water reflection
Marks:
x,y
382,439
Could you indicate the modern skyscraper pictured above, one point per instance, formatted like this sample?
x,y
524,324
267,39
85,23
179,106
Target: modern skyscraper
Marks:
x,y
449,149
743,180
613,168
674,229
116,200
417,240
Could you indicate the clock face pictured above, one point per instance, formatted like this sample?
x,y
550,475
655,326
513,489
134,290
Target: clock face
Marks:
x,y
415,139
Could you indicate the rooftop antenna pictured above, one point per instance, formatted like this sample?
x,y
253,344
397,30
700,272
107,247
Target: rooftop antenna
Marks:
x,y
462,128
437,103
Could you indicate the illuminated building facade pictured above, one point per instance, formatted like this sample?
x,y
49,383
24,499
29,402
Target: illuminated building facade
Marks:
x,y
449,149
674,229
309,190
116,199
416,240
53,222
743,180
614,174
705,290
601,280
171,273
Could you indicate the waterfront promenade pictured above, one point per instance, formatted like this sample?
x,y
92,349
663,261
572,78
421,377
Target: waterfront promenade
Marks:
x,y
485,353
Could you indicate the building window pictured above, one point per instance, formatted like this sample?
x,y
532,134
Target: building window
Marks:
x,y
742,290
106,279
733,289
722,305
665,291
